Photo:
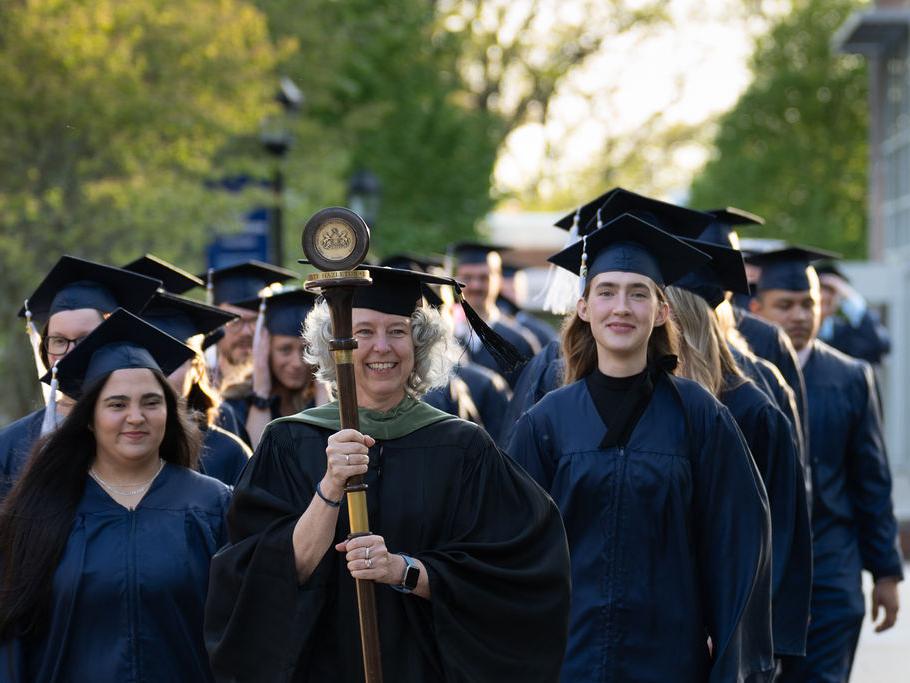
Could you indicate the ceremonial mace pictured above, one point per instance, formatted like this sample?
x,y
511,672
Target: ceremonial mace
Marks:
x,y
336,241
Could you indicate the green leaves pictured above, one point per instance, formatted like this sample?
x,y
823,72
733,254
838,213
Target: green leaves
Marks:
x,y
794,148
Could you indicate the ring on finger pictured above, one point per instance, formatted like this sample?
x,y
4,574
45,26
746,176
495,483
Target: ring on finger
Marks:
x,y
369,563
347,460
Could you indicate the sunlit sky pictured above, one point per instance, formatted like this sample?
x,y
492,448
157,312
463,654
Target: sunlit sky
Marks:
x,y
693,68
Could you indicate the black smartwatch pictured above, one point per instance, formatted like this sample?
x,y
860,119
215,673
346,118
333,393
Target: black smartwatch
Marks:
x,y
411,575
261,402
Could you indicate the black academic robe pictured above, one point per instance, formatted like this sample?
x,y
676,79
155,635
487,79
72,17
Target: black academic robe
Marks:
x,y
477,394
523,342
770,342
853,521
491,540
16,441
668,534
129,590
773,446
223,455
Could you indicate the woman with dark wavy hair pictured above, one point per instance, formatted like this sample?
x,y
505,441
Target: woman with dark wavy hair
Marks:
x,y
106,539
666,517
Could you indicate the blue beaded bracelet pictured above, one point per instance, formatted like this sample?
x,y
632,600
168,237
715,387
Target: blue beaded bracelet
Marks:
x,y
330,503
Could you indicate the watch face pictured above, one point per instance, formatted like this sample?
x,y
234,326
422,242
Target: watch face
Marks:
x,y
411,575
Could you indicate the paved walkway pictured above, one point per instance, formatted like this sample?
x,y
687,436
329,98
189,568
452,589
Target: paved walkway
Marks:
x,y
885,657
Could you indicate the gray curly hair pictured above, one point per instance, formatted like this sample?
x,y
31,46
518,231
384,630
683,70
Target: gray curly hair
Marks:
x,y
433,344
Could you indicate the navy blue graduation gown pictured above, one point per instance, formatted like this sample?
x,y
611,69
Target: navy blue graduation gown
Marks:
x,y
768,378
868,341
669,537
773,446
540,376
515,336
227,420
853,521
852,479
477,394
129,591
223,456
16,441
770,342
542,332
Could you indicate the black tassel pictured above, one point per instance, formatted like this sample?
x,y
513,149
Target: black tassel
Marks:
x,y
507,357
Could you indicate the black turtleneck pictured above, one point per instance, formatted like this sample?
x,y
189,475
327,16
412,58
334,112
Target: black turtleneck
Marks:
x,y
620,402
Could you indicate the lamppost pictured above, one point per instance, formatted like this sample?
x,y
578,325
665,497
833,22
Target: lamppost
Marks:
x,y
365,195
276,138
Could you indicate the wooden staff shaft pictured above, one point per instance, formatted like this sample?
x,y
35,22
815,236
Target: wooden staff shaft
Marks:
x,y
343,344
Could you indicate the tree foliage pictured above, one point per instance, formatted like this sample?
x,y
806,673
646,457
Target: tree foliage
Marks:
x,y
794,148
111,113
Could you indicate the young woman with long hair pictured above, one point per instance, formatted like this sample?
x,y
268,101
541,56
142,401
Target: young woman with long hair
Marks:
x,y
282,382
706,358
642,465
105,541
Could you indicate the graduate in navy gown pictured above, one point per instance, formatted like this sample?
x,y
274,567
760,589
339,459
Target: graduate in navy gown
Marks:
x,y
848,324
223,454
765,339
71,301
229,356
477,394
106,539
479,268
666,515
706,358
282,383
468,555
853,523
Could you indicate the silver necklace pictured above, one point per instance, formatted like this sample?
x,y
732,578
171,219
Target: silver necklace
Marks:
x,y
113,488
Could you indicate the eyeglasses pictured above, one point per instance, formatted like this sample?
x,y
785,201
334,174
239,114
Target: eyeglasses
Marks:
x,y
239,323
60,345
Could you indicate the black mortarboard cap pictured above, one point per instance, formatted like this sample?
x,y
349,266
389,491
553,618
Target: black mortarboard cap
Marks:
x,y
584,213
721,229
410,261
183,318
400,292
122,341
284,311
830,268
474,252
789,268
75,283
677,220
630,244
726,272
173,279
242,281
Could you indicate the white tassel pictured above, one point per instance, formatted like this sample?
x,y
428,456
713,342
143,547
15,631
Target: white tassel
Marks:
x,y
561,291
49,423
209,288
583,270
260,321
34,338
